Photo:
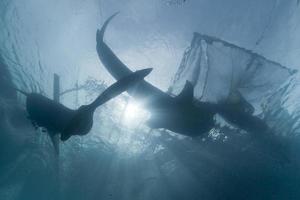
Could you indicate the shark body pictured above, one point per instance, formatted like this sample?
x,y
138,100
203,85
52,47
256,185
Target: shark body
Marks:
x,y
182,114
57,118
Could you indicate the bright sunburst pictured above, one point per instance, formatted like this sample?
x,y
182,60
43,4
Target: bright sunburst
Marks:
x,y
134,115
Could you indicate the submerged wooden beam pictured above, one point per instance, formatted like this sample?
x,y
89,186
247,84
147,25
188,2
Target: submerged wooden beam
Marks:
x,y
56,88
56,91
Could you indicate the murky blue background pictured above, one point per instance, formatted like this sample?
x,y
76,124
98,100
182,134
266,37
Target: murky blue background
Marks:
x,y
121,158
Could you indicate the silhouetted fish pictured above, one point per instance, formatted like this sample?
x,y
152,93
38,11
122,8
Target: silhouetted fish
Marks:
x,y
57,118
181,114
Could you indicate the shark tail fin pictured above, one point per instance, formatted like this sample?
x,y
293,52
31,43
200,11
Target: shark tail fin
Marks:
x,y
100,33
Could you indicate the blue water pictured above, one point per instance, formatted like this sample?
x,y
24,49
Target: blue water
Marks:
x,y
122,158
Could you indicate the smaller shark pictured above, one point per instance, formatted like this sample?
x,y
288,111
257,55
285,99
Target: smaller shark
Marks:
x,y
57,118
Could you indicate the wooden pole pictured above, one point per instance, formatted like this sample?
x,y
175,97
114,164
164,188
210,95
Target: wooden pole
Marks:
x,y
56,88
55,137
56,91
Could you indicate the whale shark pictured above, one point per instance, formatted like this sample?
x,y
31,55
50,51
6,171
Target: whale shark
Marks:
x,y
181,114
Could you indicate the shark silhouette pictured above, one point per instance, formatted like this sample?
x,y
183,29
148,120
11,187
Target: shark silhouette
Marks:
x,y
182,114
57,118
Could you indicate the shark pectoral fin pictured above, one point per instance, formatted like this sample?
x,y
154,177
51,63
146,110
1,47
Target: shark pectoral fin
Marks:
x,y
187,93
66,134
64,137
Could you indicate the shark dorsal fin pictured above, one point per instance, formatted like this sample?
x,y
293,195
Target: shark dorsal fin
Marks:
x,y
187,93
